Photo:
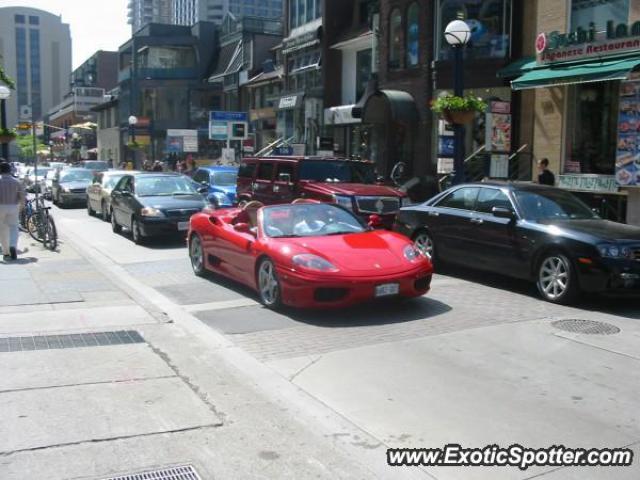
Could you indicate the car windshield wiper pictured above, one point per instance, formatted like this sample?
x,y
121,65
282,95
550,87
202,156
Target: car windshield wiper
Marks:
x,y
182,193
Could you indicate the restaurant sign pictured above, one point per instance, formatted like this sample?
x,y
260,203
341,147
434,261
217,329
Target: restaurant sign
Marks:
x,y
589,183
587,43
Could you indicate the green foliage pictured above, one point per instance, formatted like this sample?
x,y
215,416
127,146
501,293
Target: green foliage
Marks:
x,y
4,78
6,132
25,144
453,103
133,145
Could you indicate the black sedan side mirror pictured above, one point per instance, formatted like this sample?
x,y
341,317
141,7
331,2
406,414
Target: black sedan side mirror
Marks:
x,y
503,212
203,189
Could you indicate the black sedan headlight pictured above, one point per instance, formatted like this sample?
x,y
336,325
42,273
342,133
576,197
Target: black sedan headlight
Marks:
x,y
612,250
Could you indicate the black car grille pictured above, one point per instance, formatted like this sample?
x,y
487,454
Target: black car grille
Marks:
x,y
182,213
636,254
78,190
379,205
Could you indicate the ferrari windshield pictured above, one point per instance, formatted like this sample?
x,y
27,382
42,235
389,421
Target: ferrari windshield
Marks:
x,y
337,171
545,205
308,220
164,186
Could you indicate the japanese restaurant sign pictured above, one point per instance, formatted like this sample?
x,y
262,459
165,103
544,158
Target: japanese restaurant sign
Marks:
x,y
588,43
628,147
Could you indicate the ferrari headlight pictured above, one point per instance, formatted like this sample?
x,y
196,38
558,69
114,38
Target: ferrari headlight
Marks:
x,y
151,212
313,262
614,251
343,201
411,253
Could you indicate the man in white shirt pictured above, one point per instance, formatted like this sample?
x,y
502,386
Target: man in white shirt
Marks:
x,y
11,199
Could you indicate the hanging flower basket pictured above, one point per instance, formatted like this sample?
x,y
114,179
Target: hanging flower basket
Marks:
x,y
7,136
458,110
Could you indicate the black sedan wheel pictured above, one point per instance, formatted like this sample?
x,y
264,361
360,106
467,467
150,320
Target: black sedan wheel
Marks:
x,y
114,224
136,234
268,285
557,279
196,254
424,243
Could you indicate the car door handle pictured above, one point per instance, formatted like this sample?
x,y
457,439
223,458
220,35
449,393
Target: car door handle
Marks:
x,y
276,188
477,221
434,214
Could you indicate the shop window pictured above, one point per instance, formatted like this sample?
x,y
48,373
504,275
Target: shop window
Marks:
x,y
592,128
489,21
413,30
395,38
363,71
585,12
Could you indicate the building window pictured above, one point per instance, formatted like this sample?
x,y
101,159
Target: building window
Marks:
x,y
592,128
34,20
490,24
585,12
363,71
395,38
413,30
18,18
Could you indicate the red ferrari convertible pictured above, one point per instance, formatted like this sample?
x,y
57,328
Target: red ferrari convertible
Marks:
x,y
306,255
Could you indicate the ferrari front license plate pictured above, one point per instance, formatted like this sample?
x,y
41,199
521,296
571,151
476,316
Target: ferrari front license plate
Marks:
x,y
387,289
183,226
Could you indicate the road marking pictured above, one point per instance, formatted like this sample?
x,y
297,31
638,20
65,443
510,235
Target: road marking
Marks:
x,y
222,305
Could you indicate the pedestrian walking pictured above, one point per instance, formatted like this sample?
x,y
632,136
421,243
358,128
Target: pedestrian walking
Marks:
x,y
157,166
545,177
11,200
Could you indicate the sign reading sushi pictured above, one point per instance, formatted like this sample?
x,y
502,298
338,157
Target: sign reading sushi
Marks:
x,y
628,149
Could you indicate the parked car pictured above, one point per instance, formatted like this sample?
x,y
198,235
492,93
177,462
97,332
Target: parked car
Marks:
x,y
99,192
152,204
220,182
538,233
69,186
348,183
97,165
306,255
33,183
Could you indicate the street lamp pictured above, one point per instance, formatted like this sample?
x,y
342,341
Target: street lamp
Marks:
x,y
457,34
5,93
51,150
132,134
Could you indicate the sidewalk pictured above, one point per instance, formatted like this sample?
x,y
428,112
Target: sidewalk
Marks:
x,y
96,384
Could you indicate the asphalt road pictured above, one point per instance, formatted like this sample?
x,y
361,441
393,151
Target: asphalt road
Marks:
x,y
480,360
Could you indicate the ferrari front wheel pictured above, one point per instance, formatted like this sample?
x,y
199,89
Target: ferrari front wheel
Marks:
x,y
268,285
196,253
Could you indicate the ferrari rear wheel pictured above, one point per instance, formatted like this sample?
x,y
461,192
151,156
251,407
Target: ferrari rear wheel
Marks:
x,y
268,285
196,254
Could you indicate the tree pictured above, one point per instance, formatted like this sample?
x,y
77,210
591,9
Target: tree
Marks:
x,y
25,144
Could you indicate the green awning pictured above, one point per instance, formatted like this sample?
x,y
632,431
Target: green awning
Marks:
x,y
567,74
517,67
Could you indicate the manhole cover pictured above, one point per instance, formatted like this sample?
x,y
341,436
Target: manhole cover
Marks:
x,y
182,472
586,327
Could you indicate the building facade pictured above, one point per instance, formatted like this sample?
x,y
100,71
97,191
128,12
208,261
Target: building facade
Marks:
x,y
99,71
108,130
143,12
35,48
188,12
580,74
162,81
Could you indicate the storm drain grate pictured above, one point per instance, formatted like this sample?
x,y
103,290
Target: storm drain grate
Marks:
x,y
183,472
53,342
587,327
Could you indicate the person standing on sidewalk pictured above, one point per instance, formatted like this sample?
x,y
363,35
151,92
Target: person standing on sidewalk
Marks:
x,y
11,199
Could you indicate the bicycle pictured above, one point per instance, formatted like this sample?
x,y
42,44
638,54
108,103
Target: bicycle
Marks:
x,y
39,223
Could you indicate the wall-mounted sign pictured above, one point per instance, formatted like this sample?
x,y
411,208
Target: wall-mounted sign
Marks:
x,y
585,43
588,183
181,140
289,102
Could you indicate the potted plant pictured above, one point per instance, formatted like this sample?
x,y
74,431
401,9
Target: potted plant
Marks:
x,y
458,110
7,135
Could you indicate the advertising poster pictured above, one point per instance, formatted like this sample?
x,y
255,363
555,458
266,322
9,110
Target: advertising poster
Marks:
x,y
628,147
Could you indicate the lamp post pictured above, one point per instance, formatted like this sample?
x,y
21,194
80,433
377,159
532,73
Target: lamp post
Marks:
x,y
132,135
5,93
457,34
75,145
51,151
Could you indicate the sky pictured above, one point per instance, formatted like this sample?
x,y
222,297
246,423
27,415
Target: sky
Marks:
x,y
95,24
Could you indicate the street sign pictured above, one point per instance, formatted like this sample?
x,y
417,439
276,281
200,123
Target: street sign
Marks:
x,y
221,116
238,130
218,131
225,126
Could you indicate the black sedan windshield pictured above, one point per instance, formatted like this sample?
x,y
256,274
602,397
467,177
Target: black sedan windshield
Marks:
x,y
545,205
164,186
337,171
309,220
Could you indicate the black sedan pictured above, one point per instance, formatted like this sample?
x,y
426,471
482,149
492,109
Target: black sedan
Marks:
x,y
527,231
153,204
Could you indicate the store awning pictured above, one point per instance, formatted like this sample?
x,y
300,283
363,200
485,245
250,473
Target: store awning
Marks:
x,y
568,74
397,105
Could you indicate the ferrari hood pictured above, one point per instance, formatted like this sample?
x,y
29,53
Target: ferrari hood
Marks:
x,y
376,252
